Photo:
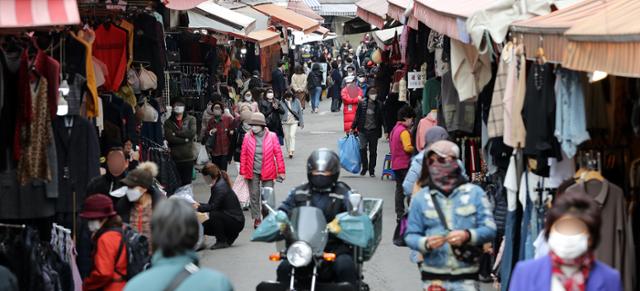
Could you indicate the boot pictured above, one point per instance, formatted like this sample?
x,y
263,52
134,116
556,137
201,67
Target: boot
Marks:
x,y
364,162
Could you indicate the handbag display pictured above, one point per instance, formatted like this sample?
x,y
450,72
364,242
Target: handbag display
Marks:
x,y
147,113
465,253
148,80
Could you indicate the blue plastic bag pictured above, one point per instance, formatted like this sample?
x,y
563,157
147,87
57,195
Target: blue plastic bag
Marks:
x,y
355,230
270,228
349,152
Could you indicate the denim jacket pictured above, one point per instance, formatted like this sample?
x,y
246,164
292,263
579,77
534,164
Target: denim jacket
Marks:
x,y
467,208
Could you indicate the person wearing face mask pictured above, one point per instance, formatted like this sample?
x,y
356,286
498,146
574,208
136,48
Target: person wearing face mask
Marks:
x,y
117,166
261,162
292,118
299,85
220,130
271,109
140,197
361,81
368,124
106,273
572,230
336,86
351,94
239,133
247,100
448,214
226,219
401,151
180,132
207,115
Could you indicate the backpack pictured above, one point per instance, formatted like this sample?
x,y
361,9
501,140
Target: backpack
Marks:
x,y
137,247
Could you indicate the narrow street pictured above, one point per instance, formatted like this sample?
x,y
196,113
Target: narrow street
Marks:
x,y
247,263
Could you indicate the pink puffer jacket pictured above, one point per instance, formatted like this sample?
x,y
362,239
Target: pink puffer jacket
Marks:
x,y
272,160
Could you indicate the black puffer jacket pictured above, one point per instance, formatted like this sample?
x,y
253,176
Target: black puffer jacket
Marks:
x,y
224,200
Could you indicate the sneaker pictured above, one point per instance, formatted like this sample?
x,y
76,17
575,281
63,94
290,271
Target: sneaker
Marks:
x,y
256,223
219,245
363,172
372,175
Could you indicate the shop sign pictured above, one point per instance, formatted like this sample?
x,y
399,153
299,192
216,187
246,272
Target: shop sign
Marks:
x,y
415,80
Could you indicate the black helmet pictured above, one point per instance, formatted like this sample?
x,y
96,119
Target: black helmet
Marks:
x,y
323,160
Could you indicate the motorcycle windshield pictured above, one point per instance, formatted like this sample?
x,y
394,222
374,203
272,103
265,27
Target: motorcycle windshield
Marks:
x,y
310,226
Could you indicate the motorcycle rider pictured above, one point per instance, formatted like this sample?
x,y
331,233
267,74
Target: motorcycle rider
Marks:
x,y
332,197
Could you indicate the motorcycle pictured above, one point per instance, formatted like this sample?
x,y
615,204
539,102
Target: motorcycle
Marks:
x,y
307,234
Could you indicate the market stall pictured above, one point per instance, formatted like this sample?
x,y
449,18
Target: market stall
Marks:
x,y
373,12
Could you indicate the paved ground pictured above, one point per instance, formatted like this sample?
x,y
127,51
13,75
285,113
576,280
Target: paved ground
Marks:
x,y
247,263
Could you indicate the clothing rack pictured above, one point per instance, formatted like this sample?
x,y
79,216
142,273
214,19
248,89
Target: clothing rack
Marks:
x,y
11,225
61,228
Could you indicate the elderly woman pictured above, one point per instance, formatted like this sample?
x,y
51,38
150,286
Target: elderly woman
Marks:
x,y
174,263
573,233
449,220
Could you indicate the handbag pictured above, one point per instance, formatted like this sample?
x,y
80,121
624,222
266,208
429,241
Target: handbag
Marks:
x,y
147,113
241,188
400,231
148,79
465,253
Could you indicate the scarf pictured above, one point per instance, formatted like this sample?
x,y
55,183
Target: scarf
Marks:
x,y
577,281
445,176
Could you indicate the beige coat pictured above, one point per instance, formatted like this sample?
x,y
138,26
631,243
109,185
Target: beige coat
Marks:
x,y
299,82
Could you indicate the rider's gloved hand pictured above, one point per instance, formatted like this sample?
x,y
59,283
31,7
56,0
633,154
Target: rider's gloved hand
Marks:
x,y
334,226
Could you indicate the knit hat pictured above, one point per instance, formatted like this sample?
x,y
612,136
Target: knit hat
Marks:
x,y
97,206
257,118
444,148
142,176
246,115
435,134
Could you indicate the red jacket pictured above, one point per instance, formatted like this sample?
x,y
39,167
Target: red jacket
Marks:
x,y
103,275
272,160
350,95
222,135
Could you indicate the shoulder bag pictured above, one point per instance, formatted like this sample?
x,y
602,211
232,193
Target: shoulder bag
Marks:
x,y
186,272
467,253
291,111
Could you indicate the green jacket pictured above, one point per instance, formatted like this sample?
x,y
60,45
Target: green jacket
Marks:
x,y
181,140
164,270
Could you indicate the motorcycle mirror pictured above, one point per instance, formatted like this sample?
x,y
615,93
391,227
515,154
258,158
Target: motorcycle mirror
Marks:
x,y
355,199
268,198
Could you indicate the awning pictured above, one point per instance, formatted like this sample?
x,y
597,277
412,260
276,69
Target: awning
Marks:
x,y
385,36
607,41
449,16
182,4
300,7
262,21
373,12
397,9
237,21
300,38
32,13
313,4
547,31
288,18
264,38
343,10
322,30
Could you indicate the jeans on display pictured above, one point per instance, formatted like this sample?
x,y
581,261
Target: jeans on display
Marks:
x,y
368,142
315,97
290,137
510,248
254,189
223,227
185,171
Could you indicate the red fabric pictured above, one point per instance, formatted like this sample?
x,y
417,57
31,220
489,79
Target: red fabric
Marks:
x,y
350,95
578,281
179,123
110,47
399,158
102,275
49,68
223,134
272,160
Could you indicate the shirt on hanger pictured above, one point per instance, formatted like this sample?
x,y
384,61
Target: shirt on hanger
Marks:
x,y
110,47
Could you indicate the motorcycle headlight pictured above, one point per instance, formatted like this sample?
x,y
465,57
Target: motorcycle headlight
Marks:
x,y
299,254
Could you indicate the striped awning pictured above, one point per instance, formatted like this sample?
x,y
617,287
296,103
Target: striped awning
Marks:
x,y
302,8
397,9
449,16
344,10
313,4
373,12
33,13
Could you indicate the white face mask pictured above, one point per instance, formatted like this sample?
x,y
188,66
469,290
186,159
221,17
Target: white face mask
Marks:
x,y
568,247
94,225
269,95
178,109
256,128
217,112
247,98
133,194
373,97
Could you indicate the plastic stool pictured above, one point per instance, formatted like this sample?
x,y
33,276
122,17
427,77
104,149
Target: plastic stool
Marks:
x,y
386,168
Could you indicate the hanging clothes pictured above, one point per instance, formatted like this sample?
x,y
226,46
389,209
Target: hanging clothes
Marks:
x,y
128,26
496,123
110,46
571,122
35,137
86,38
471,71
458,115
430,95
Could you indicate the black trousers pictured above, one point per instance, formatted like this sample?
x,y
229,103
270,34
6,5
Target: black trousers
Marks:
x,y
368,141
336,103
400,198
221,161
223,227
342,270
185,172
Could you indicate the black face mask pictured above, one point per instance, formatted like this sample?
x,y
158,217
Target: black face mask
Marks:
x,y
321,182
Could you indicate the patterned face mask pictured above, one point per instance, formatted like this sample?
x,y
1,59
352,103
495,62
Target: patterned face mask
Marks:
x,y
445,173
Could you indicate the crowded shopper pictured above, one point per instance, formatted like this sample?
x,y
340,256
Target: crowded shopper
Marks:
x,y
238,135
207,115
180,132
572,232
271,109
109,266
401,151
432,135
117,166
220,131
368,123
361,81
314,87
299,85
279,81
247,101
226,219
351,94
439,226
261,162
336,87
141,198
174,265
292,118
131,155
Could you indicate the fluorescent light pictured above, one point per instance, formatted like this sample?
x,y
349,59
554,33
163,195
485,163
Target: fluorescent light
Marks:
x,y
597,76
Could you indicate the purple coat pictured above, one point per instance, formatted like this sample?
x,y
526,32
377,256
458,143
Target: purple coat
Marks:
x,y
535,275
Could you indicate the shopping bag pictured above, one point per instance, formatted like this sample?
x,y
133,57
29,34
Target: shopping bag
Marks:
x,y
203,156
349,151
355,230
400,231
241,188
